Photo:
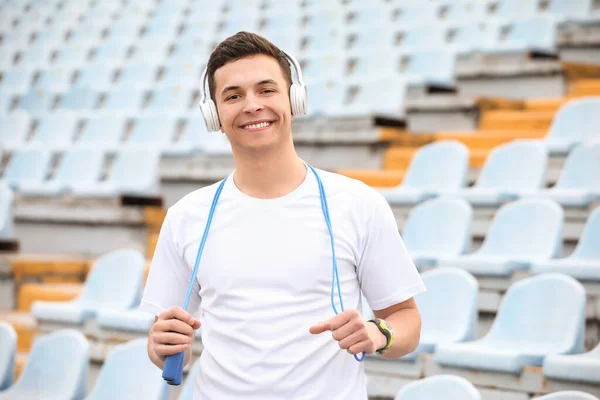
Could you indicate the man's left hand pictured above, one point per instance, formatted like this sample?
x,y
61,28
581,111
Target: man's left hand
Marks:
x,y
352,332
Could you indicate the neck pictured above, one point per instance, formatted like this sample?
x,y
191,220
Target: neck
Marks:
x,y
269,175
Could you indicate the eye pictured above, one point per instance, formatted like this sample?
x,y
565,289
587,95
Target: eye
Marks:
x,y
232,97
268,91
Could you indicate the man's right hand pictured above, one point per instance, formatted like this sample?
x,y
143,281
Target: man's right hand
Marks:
x,y
173,331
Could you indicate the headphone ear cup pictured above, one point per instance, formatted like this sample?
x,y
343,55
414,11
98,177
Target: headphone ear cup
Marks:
x,y
298,99
211,118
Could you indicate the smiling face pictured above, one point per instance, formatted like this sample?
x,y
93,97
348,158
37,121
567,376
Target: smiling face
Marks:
x,y
253,103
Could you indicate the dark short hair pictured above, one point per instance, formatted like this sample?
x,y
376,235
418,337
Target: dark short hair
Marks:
x,y
244,44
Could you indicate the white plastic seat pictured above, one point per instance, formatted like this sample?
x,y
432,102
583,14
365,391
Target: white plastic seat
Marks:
x,y
539,316
8,349
16,80
56,369
567,395
96,76
36,101
55,78
29,165
14,129
427,240
522,232
130,320
128,373
115,281
439,387
79,99
56,130
124,100
152,131
575,123
523,35
435,168
102,131
429,67
6,212
583,367
584,262
510,171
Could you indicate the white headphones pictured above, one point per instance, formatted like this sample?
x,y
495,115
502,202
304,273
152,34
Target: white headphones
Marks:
x,y
298,98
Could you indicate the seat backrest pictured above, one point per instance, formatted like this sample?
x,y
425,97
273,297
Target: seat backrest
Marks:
x,y
441,165
136,171
567,395
124,99
546,312
153,129
434,66
589,241
6,211
414,14
323,96
582,168
422,230
170,97
80,165
512,9
439,387
570,8
187,392
128,373
56,129
27,164
521,164
115,279
449,306
14,128
537,32
578,118
528,228
79,98
104,130
8,352
422,37
57,366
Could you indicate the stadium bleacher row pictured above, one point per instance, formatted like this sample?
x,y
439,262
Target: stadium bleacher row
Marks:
x,y
476,119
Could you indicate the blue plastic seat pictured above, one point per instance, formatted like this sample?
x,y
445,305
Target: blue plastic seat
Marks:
x,y
372,37
187,391
579,182
128,373
74,53
111,52
448,309
153,131
567,395
323,98
370,14
6,102
56,130
16,80
182,74
509,10
370,97
102,131
115,281
79,99
568,10
421,37
124,100
522,232
431,67
413,14
439,387
460,11
148,54
56,369
533,34
134,172
471,37
55,78
323,67
191,138
130,320
14,128
6,211
584,262
574,123
27,165
95,76
435,168
583,367
511,170
36,101
539,316
427,240
137,74
8,349
78,166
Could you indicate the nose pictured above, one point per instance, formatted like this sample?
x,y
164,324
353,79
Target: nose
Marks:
x,y
252,105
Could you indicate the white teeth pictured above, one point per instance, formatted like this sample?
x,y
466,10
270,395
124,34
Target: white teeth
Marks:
x,y
258,126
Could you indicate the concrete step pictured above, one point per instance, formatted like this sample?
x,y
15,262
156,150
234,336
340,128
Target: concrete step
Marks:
x,y
517,120
585,87
375,178
30,292
25,325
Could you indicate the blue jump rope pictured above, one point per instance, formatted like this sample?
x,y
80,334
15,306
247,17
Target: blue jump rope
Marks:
x,y
173,368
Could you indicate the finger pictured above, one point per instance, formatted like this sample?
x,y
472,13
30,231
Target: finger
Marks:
x,y
171,338
174,325
354,325
357,348
342,318
177,313
163,350
319,328
351,340
196,324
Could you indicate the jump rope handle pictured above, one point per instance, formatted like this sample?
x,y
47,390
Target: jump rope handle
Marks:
x,y
173,369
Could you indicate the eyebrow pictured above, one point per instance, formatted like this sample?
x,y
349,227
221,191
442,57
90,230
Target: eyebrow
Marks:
x,y
263,82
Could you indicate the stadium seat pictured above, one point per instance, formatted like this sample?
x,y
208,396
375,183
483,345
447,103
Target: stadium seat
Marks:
x,y
124,100
55,78
78,166
429,67
575,123
95,76
6,102
509,10
171,97
579,182
407,14
182,75
131,320
510,171
532,34
439,387
26,165
427,240
36,101
435,168
56,130
323,98
79,99
137,74
522,232
570,10
148,52
448,309
8,352
102,131
75,53
6,211
14,129
134,172
584,262
553,306
115,281
370,97
128,373
56,369
16,80
152,131
567,395
466,38
452,12
107,53
420,38
187,391
583,367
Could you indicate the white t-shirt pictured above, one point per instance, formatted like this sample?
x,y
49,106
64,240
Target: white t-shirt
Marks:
x,y
265,278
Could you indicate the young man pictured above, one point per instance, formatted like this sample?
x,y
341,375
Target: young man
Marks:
x,y
265,277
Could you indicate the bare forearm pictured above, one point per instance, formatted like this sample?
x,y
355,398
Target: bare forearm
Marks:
x,y
407,329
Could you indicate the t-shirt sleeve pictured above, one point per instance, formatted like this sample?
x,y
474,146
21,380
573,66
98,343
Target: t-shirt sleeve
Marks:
x,y
386,272
169,276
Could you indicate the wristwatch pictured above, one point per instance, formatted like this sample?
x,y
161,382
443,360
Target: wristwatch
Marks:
x,y
387,331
